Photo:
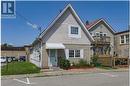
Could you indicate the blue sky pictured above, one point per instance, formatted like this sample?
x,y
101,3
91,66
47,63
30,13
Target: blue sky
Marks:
x,y
17,32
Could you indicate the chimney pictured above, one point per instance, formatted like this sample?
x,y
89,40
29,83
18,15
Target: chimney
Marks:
x,y
87,22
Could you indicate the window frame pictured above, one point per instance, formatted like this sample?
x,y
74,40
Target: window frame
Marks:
x,y
71,53
104,34
74,30
74,35
122,39
97,33
127,39
75,53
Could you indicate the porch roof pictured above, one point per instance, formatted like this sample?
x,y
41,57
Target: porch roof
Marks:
x,y
55,46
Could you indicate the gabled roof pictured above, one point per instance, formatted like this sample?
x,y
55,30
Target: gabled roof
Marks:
x,y
76,17
88,26
94,23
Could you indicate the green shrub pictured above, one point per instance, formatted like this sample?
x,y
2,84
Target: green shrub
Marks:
x,y
81,63
64,63
94,61
15,68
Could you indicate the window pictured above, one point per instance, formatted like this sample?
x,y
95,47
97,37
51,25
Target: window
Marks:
x,y
77,53
101,34
74,53
122,39
127,39
97,34
71,53
105,34
74,30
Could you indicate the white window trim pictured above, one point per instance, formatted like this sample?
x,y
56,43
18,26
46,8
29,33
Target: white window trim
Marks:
x,y
104,33
100,33
96,33
124,39
67,53
128,38
74,35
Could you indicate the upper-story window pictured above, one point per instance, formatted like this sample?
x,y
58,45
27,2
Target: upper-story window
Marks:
x,y
105,34
122,39
127,39
74,31
100,34
97,34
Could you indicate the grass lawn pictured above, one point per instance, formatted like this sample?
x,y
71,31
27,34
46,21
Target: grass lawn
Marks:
x,y
15,68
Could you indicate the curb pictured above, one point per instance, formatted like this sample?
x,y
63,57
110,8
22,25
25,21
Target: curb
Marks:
x,y
56,73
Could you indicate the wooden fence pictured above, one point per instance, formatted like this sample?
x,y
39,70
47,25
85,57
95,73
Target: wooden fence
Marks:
x,y
113,61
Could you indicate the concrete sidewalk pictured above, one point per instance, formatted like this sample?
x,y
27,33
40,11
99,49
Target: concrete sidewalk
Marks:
x,y
47,72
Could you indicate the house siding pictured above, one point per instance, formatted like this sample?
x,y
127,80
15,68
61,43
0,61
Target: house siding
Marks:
x,y
61,53
122,50
59,32
45,57
34,55
87,53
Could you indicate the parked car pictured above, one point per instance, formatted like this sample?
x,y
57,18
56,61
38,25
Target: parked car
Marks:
x,y
9,59
3,59
22,58
14,59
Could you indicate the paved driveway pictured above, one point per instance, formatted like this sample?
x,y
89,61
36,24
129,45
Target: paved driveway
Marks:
x,y
96,79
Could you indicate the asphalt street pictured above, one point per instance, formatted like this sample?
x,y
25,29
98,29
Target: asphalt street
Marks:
x,y
94,79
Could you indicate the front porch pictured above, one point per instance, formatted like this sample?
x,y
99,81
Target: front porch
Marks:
x,y
55,52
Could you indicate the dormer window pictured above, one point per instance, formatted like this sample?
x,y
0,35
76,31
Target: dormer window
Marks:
x,y
74,31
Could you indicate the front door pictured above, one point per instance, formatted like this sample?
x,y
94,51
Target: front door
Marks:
x,y
53,57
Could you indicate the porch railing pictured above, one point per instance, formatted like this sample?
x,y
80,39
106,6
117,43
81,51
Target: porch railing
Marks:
x,y
102,39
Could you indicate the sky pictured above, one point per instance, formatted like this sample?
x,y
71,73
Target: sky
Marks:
x,y
17,32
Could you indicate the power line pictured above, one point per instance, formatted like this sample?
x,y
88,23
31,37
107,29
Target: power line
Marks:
x,y
29,22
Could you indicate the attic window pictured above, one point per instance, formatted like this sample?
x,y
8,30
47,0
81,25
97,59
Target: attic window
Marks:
x,y
74,31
